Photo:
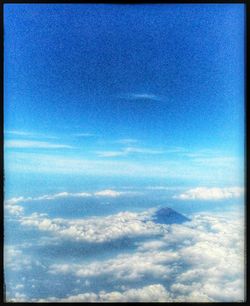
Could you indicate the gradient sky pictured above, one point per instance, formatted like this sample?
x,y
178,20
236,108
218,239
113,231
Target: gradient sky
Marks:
x,y
138,84
110,113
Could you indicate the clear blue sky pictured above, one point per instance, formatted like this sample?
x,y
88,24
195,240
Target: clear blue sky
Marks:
x,y
125,83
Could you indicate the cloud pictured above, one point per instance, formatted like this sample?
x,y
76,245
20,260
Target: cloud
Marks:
x,y
18,297
16,200
34,144
124,267
127,151
200,261
14,209
30,134
151,293
109,193
215,193
102,193
127,141
20,133
84,135
96,229
142,97
111,153
27,162
62,195
16,260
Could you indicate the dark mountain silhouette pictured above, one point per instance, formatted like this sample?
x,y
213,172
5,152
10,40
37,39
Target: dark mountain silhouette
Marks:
x,y
168,216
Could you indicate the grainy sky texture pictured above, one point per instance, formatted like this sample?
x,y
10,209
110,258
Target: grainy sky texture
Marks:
x,y
111,112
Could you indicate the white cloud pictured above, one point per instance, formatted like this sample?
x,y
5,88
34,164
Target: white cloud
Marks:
x,y
109,193
141,96
202,260
151,293
14,209
27,162
16,260
198,261
18,297
127,151
110,153
34,144
127,266
62,195
96,229
215,193
16,200
9,204
19,133
30,134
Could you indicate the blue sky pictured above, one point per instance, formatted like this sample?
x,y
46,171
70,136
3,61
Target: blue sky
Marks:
x,y
116,82
110,113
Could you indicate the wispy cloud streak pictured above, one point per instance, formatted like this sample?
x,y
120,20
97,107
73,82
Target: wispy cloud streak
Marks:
x,y
23,144
141,97
127,151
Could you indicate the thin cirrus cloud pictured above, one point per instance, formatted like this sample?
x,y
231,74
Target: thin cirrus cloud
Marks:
x,y
29,134
127,151
141,97
215,193
33,144
127,141
35,162
84,134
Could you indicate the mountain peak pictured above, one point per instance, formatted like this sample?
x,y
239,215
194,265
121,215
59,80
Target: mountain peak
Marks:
x,y
167,215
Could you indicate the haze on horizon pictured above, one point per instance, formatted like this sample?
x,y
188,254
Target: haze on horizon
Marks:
x,y
111,114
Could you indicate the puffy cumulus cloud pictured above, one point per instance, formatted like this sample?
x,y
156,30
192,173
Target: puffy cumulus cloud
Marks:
x,y
204,193
17,298
16,200
213,250
16,260
151,293
14,209
96,229
126,266
151,245
198,261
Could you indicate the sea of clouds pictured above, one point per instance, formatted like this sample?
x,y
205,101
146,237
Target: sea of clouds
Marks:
x,y
202,260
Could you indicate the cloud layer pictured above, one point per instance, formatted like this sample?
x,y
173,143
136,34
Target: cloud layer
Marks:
x,y
151,293
204,193
95,229
102,193
202,260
